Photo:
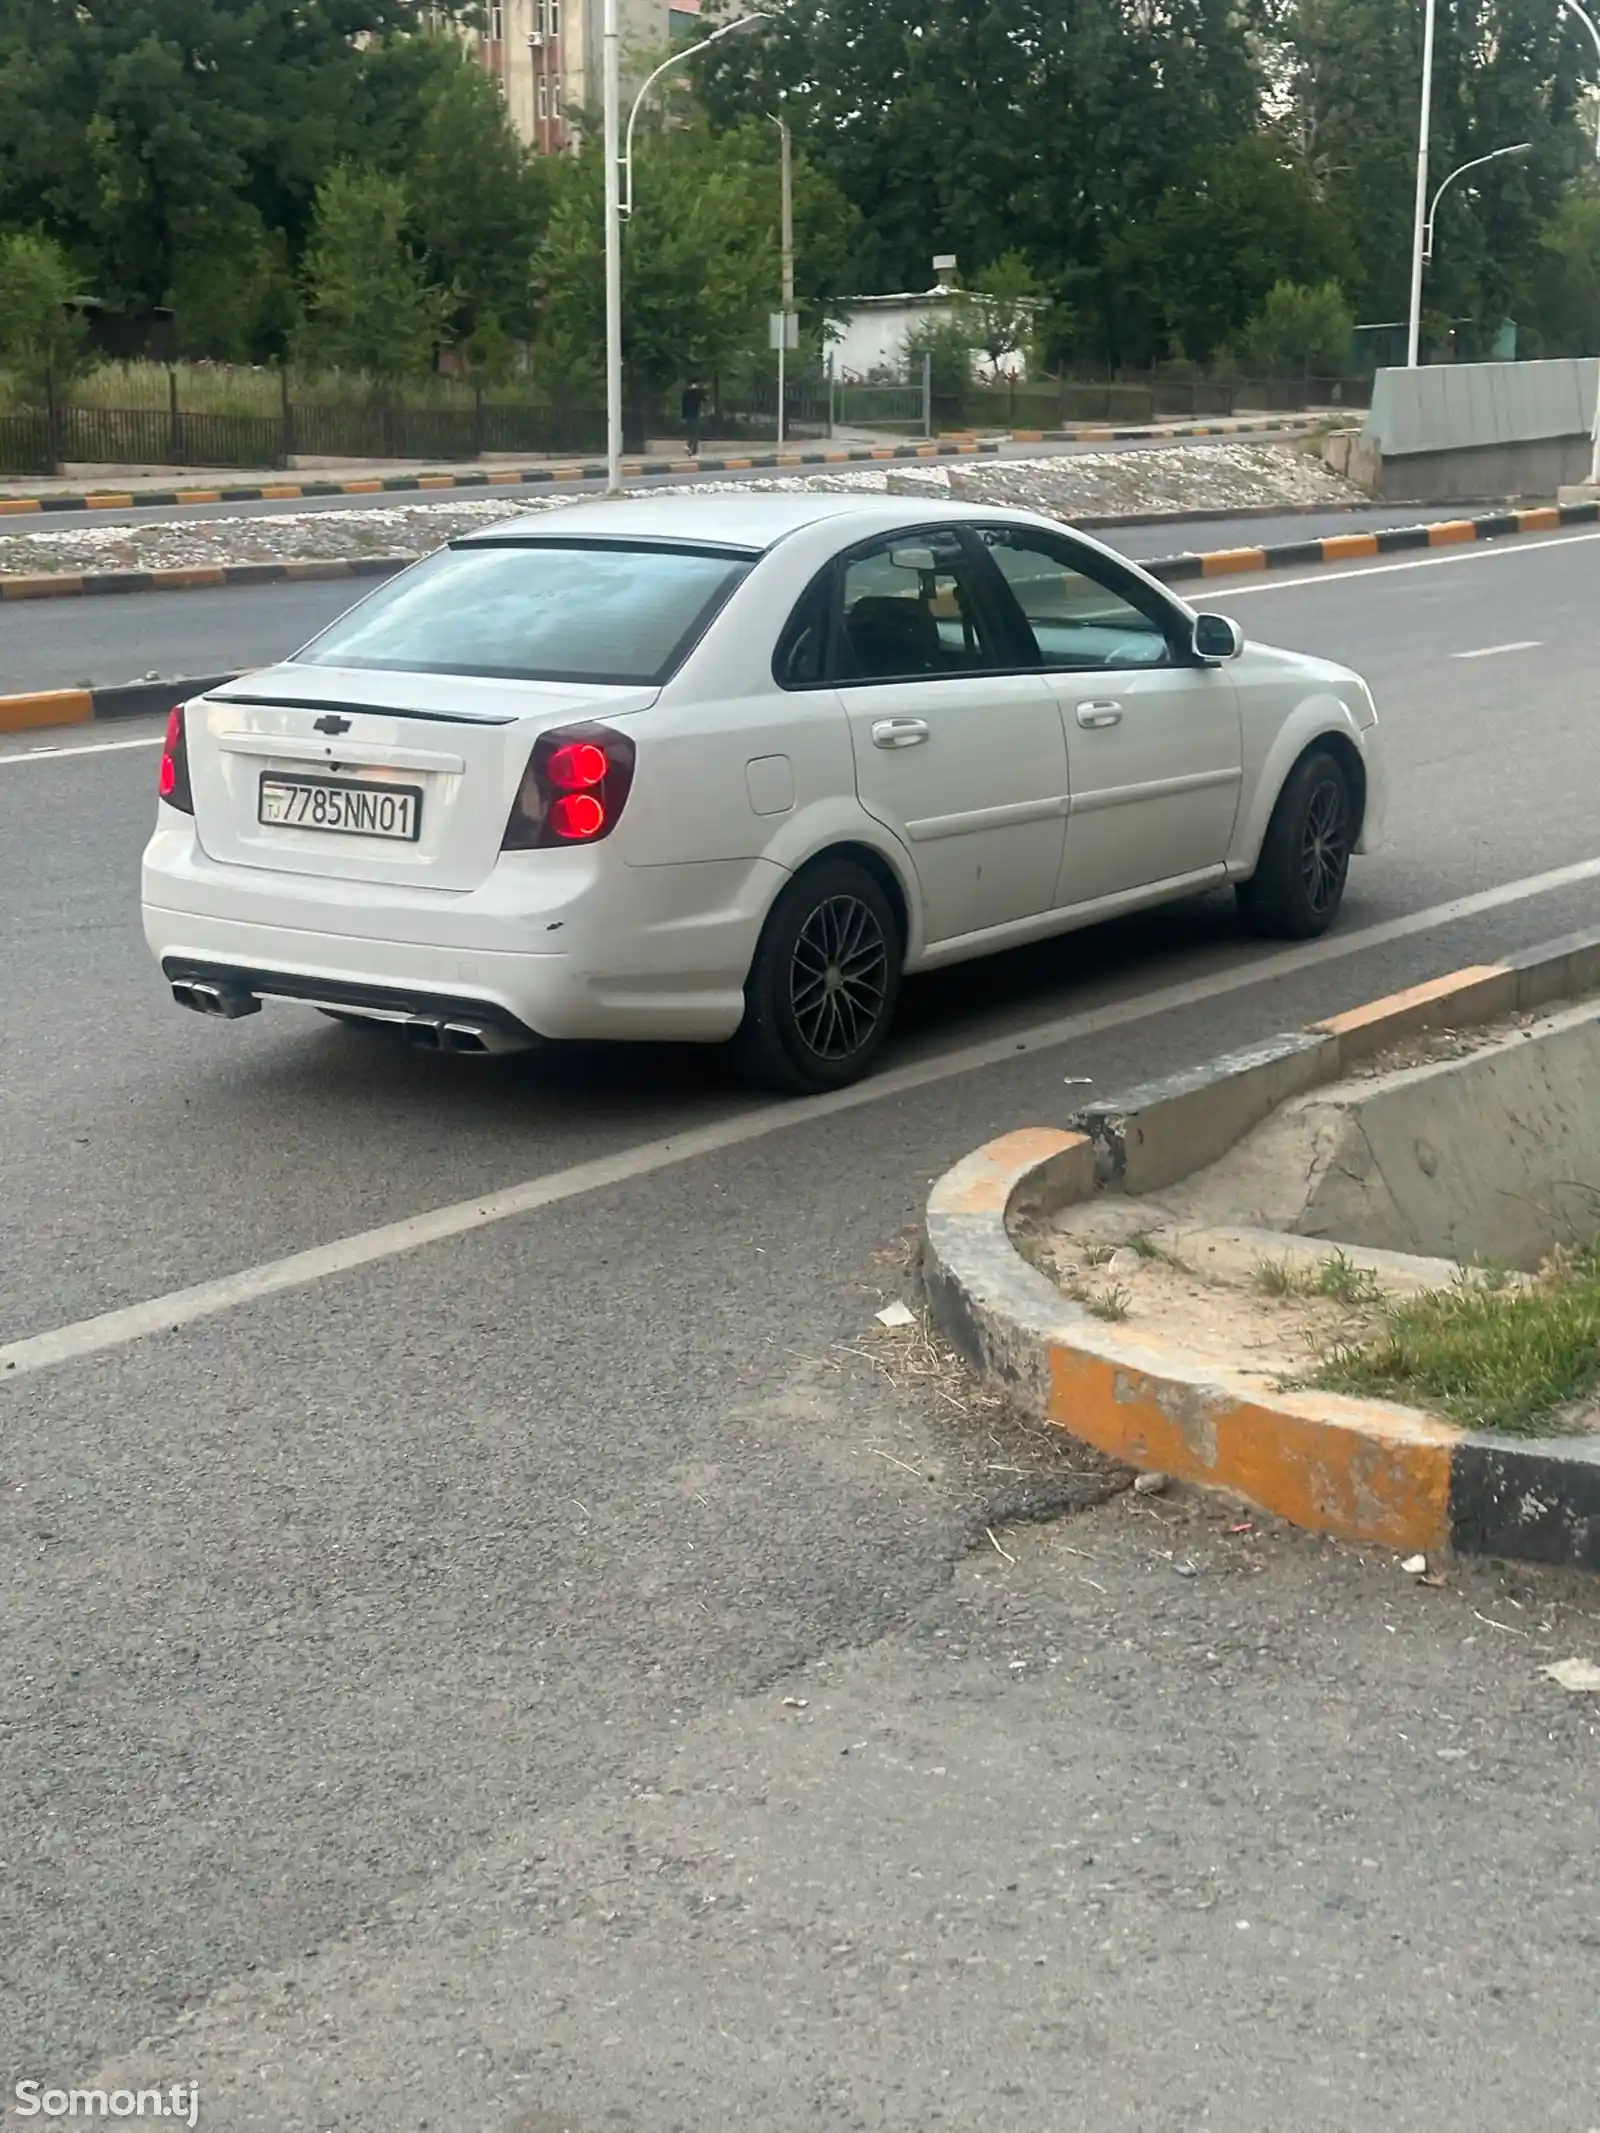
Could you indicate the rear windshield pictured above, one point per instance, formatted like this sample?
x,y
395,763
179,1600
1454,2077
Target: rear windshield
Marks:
x,y
538,611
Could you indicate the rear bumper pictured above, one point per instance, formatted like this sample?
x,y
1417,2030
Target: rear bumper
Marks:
x,y
645,952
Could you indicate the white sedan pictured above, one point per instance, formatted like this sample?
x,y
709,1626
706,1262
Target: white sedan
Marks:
x,y
727,768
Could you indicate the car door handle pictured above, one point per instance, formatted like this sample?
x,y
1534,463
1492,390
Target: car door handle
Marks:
x,y
1102,711
899,732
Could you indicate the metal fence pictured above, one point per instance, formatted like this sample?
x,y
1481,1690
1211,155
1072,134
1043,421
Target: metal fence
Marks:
x,y
40,440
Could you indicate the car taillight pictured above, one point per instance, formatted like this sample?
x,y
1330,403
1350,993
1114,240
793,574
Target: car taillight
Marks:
x,y
574,788
172,781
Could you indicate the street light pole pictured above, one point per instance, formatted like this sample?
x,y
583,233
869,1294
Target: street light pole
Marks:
x,y
1589,23
787,268
1582,15
611,103
1419,220
619,206
1519,148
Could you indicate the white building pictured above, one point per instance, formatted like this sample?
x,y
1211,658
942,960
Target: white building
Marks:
x,y
869,333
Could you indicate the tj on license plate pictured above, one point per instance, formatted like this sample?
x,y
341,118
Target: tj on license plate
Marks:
x,y
359,810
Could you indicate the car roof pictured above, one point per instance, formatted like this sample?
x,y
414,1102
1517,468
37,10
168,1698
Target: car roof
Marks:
x,y
738,521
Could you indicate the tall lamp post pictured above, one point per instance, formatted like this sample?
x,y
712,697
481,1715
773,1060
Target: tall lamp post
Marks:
x,y
619,204
1580,14
1422,250
1419,220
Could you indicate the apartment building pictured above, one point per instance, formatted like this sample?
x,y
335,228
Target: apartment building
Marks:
x,y
545,54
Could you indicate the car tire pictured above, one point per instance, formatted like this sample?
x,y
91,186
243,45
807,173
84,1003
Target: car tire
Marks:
x,y
1298,885
824,982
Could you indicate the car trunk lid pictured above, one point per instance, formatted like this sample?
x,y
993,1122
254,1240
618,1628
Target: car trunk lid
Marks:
x,y
368,776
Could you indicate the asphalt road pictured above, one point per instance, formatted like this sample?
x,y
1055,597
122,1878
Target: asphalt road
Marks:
x,y
561,1677
50,644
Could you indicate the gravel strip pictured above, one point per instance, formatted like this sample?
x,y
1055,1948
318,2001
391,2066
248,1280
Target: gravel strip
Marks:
x,y
1209,477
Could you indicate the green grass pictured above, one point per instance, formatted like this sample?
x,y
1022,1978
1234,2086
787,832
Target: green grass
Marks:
x,y
1337,1278
1482,1353
246,389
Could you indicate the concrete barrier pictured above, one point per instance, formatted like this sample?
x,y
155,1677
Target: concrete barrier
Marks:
x,y
1468,432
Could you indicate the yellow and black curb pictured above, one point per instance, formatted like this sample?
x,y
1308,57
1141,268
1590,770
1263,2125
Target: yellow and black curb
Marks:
x,y
481,478
1388,540
1364,1469
1172,570
197,577
78,707
945,447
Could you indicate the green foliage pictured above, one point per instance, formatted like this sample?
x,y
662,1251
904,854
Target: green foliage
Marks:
x,y
478,199
41,339
1488,1355
1003,309
131,127
1298,332
700,259
946,344
1566,277
369,303
1215,247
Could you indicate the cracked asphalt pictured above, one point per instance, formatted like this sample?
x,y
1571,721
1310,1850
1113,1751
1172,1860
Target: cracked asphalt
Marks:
x,y
586,1675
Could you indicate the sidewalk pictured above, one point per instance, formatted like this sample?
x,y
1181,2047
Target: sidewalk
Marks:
x,y
87,487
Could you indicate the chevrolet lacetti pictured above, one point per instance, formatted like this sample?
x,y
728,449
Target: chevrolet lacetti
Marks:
x,y
726,769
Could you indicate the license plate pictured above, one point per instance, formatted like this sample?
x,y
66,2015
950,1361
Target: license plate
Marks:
x,y
353,808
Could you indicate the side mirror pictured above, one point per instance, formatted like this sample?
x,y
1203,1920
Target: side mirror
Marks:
x,y
1216,638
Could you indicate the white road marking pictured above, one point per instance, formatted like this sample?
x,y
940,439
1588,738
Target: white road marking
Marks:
x,y
40,755
1493,651
1483,553
183,1307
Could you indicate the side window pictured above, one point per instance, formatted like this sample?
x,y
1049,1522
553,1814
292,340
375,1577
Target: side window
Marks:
x,y
912,610
1076,619
802,655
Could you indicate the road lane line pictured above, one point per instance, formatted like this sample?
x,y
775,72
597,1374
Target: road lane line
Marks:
x,y
1493,651
39,755
183,1307
1492,551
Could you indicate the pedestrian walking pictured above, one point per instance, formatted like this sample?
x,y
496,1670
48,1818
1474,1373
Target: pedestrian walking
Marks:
x,y
693,401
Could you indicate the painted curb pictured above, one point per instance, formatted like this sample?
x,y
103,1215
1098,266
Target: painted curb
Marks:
x,y
950,445
477,478
81,707
198,577
1366,1470
1172,570
1390,540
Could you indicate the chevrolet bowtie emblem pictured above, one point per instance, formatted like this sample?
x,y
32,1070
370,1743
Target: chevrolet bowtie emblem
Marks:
x,y
333,723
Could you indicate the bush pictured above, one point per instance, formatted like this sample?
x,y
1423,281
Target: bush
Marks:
x,y
948,343
42,337
1298,332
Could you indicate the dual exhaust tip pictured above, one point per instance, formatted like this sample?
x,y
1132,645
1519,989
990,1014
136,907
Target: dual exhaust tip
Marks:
x,y
427,1033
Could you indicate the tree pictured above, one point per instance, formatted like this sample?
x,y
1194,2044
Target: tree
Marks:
x,y
138,131
1566,278
1002,309
700,261
1298,332
1505,70
478,199
945,345
988,126
1214,247
42,338
369,303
